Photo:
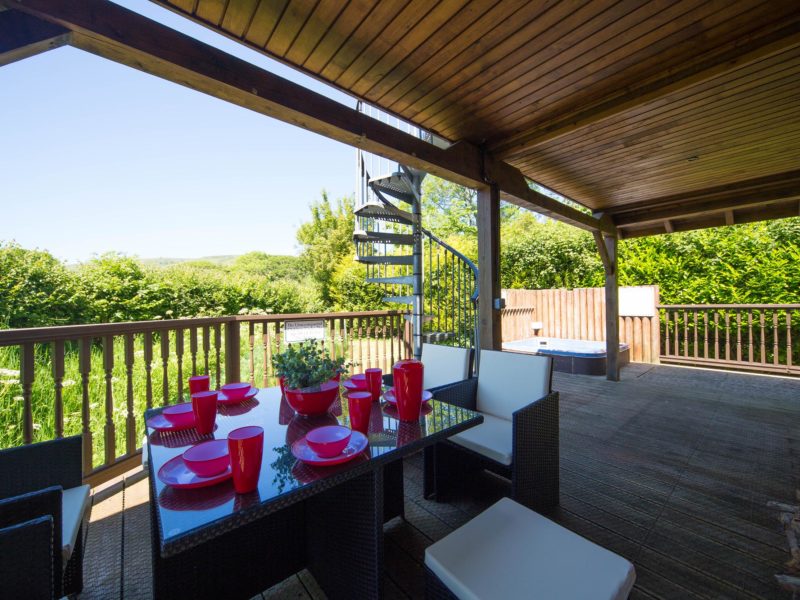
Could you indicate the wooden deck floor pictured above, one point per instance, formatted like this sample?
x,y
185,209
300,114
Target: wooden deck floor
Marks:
x,y
671,468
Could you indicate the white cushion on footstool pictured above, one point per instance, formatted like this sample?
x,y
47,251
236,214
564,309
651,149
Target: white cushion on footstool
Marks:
x,y
509,551
74,502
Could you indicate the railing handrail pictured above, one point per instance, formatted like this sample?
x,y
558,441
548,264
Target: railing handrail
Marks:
x,y
13,337
734,306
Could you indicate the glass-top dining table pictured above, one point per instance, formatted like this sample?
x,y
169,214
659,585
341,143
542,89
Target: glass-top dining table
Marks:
x,y
211,542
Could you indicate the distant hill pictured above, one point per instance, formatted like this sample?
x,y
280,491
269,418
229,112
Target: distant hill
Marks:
x,y
166,262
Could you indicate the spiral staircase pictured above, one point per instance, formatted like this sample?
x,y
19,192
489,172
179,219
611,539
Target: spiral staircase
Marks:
x,y
415,268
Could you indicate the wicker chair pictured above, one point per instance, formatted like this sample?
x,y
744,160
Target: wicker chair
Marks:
x,y
43,504
518,438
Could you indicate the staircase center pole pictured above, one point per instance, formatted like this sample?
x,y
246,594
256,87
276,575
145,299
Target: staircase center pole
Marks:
x,y
416,315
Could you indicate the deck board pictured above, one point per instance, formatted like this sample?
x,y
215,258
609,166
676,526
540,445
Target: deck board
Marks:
x,y
671,468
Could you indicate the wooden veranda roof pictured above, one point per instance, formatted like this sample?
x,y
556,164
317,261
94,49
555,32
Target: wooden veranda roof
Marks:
x,y
657,115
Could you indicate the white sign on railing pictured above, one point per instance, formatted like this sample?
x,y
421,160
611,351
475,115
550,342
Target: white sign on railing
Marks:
x,y
300,331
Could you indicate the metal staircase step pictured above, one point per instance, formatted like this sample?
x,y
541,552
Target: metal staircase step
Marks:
x,y
396,185
433,337
386,260
404,280
378,211
383,236
399,299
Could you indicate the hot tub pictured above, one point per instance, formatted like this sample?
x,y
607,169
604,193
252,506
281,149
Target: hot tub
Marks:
x,y
581,357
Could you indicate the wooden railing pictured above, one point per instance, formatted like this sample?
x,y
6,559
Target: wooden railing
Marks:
x,y
757,337
98,379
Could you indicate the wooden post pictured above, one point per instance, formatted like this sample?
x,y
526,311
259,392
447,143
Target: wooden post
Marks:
x,y
489,267
607,246
232,352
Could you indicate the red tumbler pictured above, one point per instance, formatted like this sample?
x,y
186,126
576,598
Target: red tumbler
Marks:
x,y
199,383
246,447
374,383
204,406
408,375
359,404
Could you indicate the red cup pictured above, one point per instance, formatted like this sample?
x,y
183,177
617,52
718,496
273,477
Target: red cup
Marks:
x,y
199,383
408,375
359,404
374,383
246,448
204,406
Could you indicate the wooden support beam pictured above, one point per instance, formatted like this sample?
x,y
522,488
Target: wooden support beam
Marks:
x,y
490,331
743,51
23,36
113,32
607,247
719,199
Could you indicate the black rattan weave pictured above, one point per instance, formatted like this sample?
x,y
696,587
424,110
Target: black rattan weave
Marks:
x,y
33,542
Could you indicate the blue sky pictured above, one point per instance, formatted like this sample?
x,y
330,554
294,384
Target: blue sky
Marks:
x,y
95,156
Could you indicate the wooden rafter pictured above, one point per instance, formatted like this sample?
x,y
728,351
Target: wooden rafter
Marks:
x,y
115,33
22,36
755,47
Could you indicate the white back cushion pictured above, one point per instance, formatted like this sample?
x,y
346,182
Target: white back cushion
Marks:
x,y
444,364
508,381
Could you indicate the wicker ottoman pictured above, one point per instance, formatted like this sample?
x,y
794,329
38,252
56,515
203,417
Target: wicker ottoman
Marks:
x,y
509,551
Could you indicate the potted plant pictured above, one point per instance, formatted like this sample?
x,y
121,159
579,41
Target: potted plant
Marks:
x,y
309,377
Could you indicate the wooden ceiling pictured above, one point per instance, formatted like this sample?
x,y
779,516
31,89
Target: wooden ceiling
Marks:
x,y
659,115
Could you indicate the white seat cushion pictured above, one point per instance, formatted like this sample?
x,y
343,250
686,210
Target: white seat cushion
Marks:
x,y
509,551
74,502
444,365
507,381
493,438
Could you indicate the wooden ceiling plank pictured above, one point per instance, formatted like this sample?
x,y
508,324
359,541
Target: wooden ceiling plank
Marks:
x,y
541,38
623,66
238,16
338,34
440,17
263,23
678,117
544,60
319,23
414,16
787,37
211,11
369,29
526,28
23,36
473,36
419,58
291,22
121,35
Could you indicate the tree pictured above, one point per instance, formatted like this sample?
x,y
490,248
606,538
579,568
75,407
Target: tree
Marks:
x,y
326,240
270,266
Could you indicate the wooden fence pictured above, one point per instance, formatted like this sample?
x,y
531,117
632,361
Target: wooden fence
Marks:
x,y
576,314
97,380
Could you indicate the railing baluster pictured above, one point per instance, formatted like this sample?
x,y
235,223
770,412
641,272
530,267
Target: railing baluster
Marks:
x,y
267,352
251,344
763,337
165,367
130,420
350,348
750,335
788,339
685,334
109,429
695,333
179,358
739,335
666,332
677,333
58,378
27,375
206,348
85,366
193,348
775,343
218,351
705,334
148,367
716,335
727,335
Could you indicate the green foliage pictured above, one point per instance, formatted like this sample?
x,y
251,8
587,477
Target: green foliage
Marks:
x,y
306,365
269,266
349,290
35,289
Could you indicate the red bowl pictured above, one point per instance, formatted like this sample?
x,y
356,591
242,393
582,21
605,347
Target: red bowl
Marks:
x,y
180,414
313,403
328,442
234,391
208,459
357,382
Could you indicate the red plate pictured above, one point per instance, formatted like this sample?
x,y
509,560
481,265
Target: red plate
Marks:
x,y
176,474
161,423
225,401
388,395
358,442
